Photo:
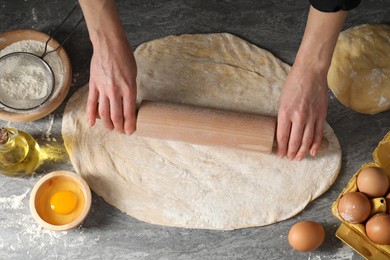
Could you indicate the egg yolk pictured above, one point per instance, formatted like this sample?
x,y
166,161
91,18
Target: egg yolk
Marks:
x,y
63,202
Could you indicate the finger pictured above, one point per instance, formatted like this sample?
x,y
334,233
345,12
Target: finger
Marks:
x,y
129,108
295,141
116,114
92,105
307,140
282,136
318,133
104,112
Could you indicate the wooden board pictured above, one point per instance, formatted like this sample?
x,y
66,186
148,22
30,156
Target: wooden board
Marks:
x,y
54,102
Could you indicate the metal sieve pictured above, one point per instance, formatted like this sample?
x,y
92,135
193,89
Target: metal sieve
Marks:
x,y
33,94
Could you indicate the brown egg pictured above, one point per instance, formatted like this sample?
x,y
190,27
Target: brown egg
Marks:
x,y
388,202
378,229
373,182
306,236
354,207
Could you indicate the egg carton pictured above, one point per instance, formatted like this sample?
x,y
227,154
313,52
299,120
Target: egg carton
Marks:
x,y
354,235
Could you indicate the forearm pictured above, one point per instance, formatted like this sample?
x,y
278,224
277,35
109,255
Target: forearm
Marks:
x,y
319,40
112,84
304,97
103,22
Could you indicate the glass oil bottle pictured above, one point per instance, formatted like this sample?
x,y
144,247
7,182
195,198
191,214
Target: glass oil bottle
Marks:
x,y
19,152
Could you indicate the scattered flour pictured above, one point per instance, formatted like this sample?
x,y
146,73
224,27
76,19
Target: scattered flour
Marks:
x,y
34,15
22,80
383,101
27,233
342,253
13,202
353,74
48,131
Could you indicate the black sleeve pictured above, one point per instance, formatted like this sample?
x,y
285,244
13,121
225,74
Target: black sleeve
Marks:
x,y
334,5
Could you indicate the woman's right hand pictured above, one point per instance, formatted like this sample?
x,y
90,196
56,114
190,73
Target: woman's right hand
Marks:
x,y
112,84
112,87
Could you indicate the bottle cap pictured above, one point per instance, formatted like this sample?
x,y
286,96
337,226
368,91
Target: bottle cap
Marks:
x,y
3,135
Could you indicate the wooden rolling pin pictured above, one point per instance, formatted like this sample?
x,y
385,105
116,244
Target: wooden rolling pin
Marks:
x,y
206,126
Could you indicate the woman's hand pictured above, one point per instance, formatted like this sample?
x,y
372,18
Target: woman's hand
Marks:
x,y
302,112
304,97
112,84
112,87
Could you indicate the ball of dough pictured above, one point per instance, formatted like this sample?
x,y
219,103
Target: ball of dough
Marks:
x,y
359,74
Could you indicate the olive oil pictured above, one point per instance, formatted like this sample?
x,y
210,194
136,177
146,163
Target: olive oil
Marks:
x,y
19,152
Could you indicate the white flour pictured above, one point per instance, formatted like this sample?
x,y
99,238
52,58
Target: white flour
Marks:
x,y
21,81
13,202
15,216
24,81
48,131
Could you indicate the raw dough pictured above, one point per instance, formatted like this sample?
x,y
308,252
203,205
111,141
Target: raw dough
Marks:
x,y
184,185
359,75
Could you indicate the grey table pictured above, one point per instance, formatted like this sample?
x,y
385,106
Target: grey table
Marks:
x,y
108,233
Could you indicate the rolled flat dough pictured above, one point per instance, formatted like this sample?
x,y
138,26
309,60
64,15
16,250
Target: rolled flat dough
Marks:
x,y
359,75
194,186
